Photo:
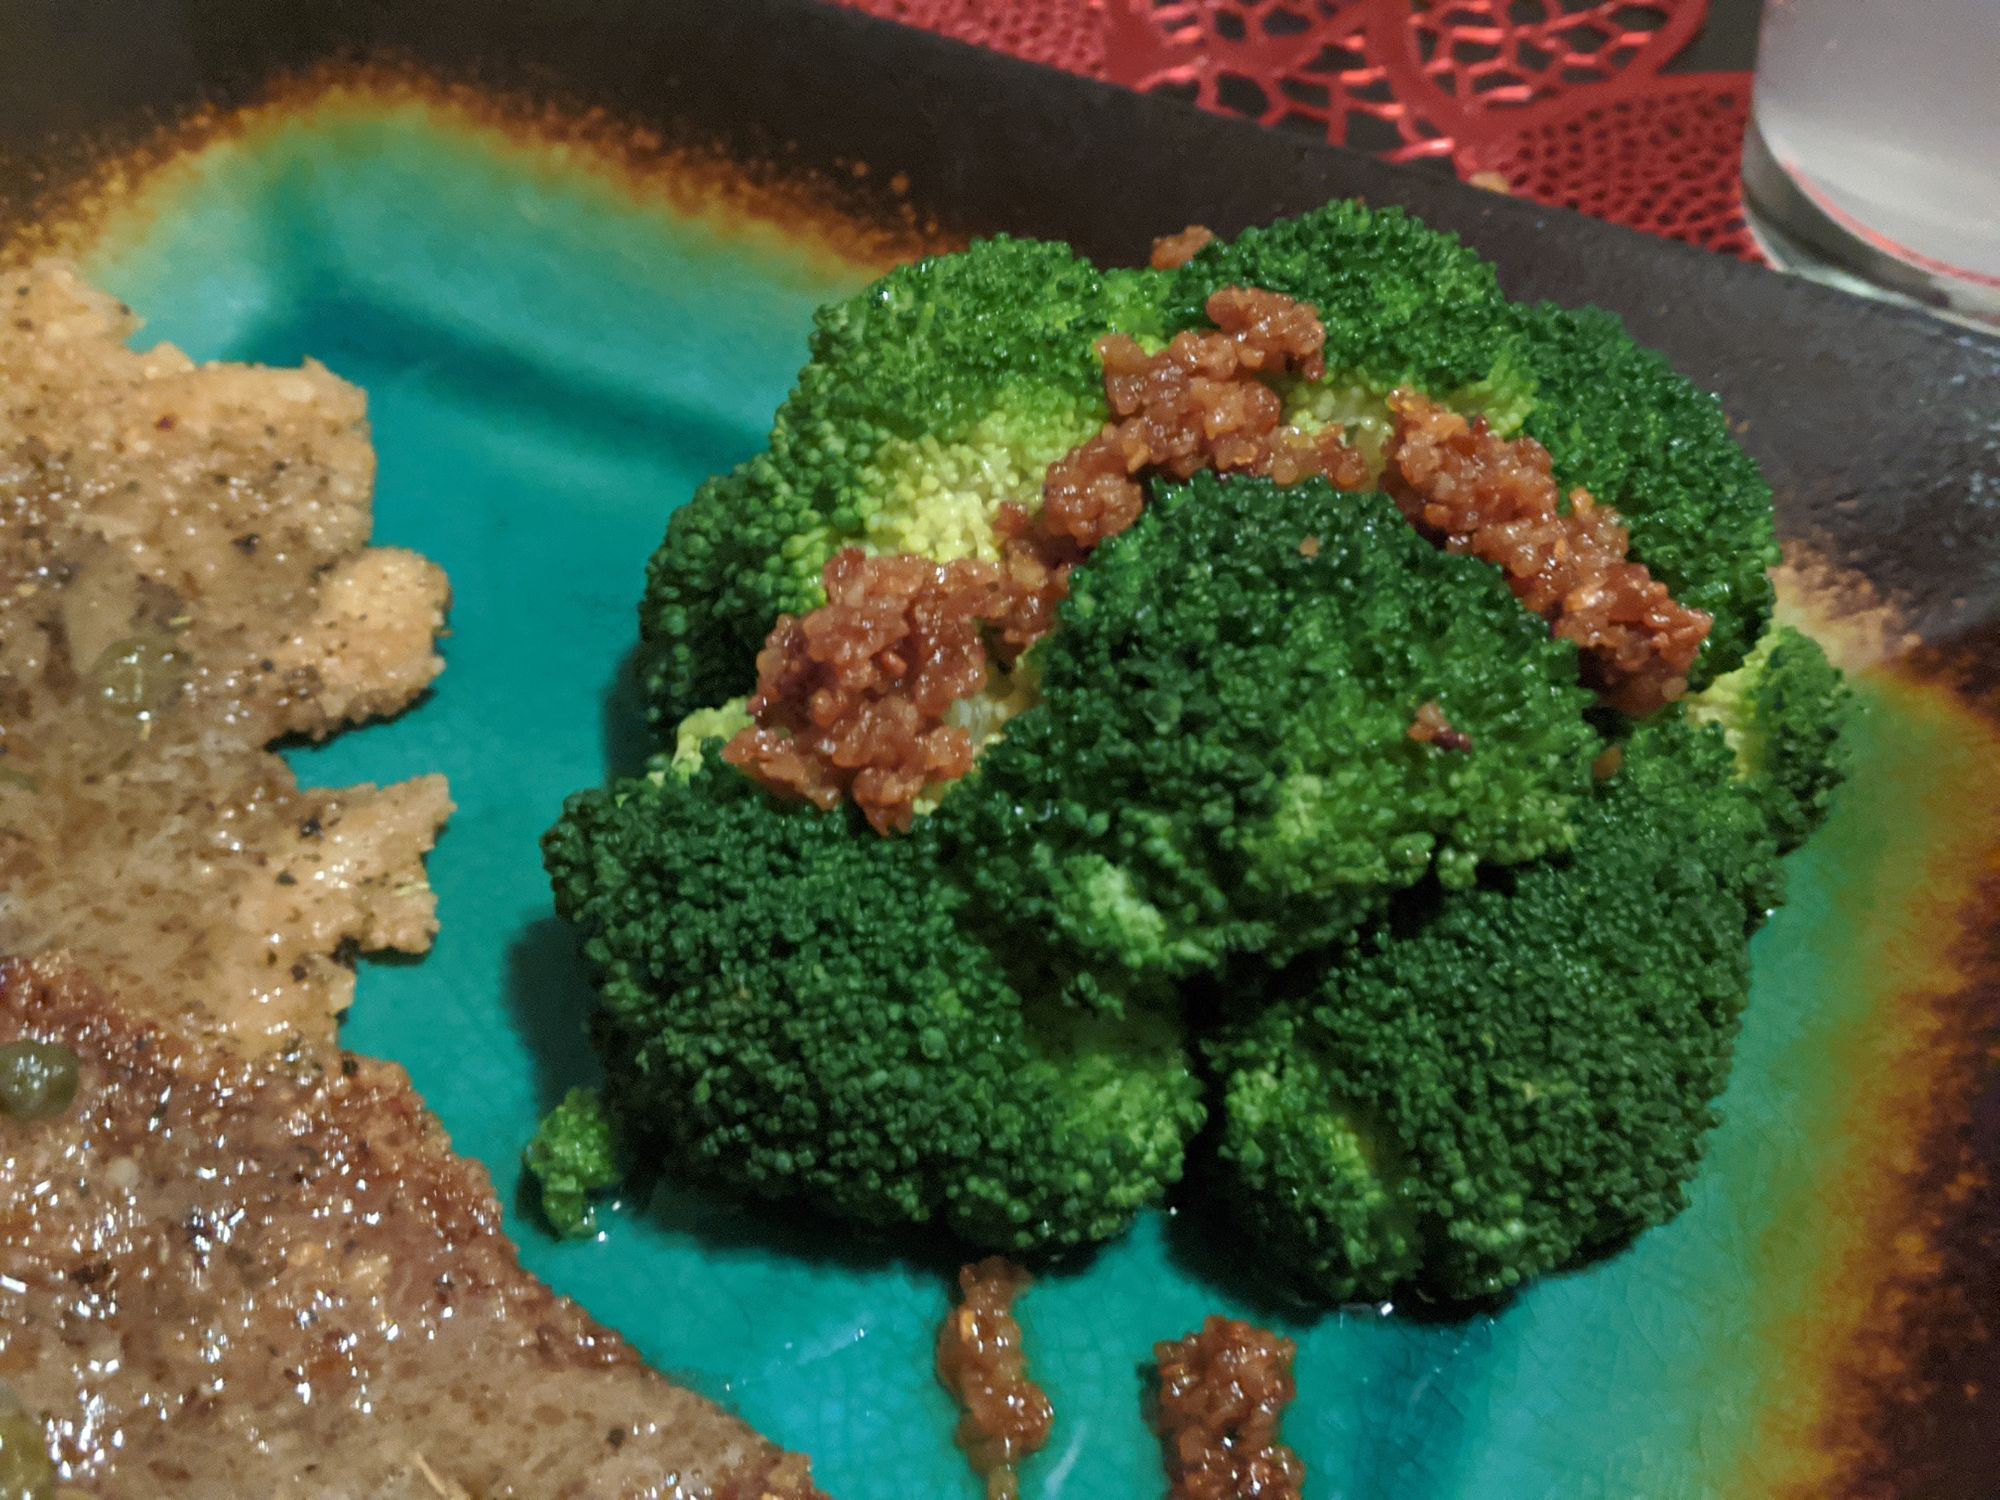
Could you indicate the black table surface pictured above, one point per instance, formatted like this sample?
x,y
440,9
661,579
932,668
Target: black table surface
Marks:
x,y
1727,42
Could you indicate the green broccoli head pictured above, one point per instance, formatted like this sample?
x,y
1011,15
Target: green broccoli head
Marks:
x,y
1500,1080
572,1157
1782,712
931,398
1407,305
1220,758
801,1009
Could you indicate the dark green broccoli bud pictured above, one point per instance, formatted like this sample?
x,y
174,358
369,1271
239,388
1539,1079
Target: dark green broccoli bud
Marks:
x,y
573,1155
931,398
1501,1080
1783,712
1407,305
804,1010
1221,756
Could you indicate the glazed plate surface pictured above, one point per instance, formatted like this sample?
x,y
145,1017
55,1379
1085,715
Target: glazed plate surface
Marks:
x,y
573,262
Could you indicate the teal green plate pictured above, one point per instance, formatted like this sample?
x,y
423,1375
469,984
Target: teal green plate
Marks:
x,y
555,354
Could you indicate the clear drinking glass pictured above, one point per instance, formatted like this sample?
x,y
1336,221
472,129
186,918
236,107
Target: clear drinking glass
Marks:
x,y
1874,146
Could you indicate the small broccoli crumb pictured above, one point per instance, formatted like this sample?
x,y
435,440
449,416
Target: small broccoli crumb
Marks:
x,y
572,1156
704,727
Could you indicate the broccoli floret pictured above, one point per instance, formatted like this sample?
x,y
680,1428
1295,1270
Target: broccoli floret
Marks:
x,y
1403,304
1620,421
932,397
1782,712
572,1156
1221,757
806,1010
1407,305
1500,1080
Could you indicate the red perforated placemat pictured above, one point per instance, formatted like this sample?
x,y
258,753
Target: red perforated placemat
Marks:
x,y
1562,101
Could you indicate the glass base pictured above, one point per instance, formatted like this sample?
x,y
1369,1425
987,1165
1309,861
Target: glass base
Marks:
x,y
1797,235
